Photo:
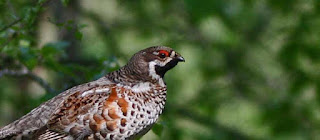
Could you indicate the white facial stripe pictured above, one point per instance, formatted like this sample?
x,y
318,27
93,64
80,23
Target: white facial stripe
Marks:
x,y
156,53
152,71
165,62
173,53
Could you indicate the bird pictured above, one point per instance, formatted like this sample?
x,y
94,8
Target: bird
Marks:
x,y
122,105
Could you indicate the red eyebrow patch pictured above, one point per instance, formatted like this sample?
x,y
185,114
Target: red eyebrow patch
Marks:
x,y
164,52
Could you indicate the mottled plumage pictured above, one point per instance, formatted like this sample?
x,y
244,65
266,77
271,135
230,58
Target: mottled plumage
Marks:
x,y
121,105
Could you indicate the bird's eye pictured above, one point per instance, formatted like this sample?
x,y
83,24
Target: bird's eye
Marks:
x,y
163,54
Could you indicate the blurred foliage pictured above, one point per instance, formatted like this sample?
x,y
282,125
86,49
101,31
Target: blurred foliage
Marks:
x,y
252,67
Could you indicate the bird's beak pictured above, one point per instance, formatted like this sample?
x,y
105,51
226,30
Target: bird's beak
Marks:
x,y
180,58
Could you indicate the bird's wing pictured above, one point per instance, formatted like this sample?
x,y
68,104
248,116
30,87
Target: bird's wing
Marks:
x,y
46,134
97,110
38,117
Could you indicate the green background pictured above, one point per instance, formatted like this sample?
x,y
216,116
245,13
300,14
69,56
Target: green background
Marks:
x,y
252,69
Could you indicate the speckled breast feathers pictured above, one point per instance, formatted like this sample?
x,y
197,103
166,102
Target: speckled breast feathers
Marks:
x,y
108,112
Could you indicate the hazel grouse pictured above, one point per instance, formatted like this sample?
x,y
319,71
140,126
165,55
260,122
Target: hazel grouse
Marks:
x,y
123,104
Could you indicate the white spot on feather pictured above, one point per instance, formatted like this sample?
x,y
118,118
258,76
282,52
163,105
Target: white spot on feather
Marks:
x,y
141,87
92,91
86,93
102,90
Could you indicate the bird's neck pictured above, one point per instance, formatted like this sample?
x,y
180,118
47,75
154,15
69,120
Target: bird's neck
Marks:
x,y
129,76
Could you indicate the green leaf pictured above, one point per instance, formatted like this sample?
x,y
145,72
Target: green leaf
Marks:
x,y
71,22
78,35
28,57
31,63
51,50
41,1
56,46
157,129
65,2
81,26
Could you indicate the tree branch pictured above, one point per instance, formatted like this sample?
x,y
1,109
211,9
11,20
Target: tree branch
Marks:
x,y
41,82
19,19
21,72
29,74
10,25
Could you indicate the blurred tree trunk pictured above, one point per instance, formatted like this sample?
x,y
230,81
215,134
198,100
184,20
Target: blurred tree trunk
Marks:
x,y
68,15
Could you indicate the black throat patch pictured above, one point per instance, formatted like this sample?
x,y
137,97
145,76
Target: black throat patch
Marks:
x,y
162,70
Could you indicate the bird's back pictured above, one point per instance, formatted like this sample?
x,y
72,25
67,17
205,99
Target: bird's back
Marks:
x,y
38,117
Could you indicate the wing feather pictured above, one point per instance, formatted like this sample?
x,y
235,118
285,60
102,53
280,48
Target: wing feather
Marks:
x,y
75,113
38,117
52,135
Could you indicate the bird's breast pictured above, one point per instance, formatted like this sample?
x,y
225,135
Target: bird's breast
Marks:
x,y
124,114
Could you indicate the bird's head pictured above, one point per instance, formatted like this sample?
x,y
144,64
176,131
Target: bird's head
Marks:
x,y
155,61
